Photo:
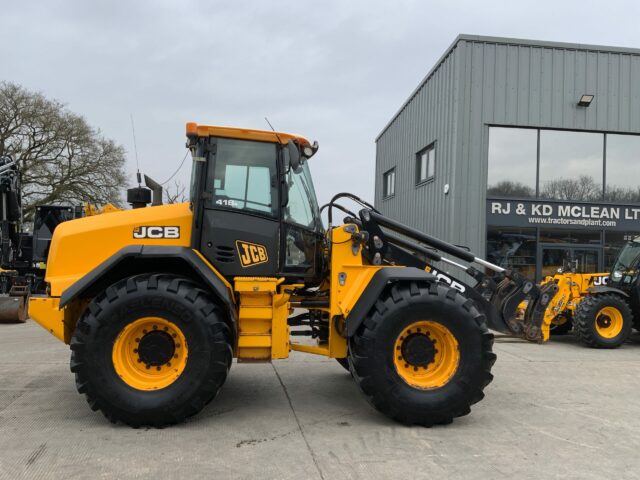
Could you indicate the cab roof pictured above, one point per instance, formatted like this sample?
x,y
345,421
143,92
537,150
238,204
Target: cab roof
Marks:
x,y
193,129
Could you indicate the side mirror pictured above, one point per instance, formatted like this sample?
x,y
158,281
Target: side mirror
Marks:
x,y
295,160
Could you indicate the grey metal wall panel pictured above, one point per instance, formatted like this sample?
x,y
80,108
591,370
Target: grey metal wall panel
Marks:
x,y
482,81
428,118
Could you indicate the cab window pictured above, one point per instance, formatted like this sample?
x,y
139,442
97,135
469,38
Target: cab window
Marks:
x,y
302,207
245,177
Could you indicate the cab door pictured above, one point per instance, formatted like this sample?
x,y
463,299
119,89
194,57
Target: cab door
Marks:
x,y
302,242
239,230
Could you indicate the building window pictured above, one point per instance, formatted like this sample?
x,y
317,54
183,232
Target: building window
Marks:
x,y
512,162
561,165
513,248
564,166
571,165
623,168
389,183
426,164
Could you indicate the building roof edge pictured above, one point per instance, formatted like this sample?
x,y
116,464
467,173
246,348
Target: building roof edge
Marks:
x,y
504,41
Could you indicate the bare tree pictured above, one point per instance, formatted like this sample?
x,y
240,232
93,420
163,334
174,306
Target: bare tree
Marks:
x,y
62,159
584,188
616,193
175,193
507,188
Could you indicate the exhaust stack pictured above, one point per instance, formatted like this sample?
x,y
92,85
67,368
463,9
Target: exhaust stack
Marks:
x,y
156,188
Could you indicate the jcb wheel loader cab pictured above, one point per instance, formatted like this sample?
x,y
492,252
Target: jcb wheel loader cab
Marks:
x,y
255,211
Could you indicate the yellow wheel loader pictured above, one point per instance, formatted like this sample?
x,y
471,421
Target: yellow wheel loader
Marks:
x,y
155,302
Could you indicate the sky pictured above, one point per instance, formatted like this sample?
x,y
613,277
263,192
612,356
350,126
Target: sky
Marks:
x,y
335,71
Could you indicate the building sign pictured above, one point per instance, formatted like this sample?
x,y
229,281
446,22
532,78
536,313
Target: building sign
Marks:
x,y
558,214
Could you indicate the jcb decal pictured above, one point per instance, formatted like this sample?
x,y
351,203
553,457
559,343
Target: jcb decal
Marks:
x,y
599,280
447,280
251,253
156,232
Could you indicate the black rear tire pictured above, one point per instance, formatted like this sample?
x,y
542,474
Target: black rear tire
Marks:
x,y
588,315
198,319
372,354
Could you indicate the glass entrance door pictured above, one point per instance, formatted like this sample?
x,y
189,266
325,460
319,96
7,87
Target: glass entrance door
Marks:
x,y
586,260
580,259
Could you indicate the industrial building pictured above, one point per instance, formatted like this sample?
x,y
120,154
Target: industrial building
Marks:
x,y
525,151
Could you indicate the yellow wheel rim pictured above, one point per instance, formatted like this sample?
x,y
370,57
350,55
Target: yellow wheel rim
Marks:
x,y
426,355
609,322
150,353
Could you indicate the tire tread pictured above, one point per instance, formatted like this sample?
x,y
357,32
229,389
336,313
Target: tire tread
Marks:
x,y
91,321
362,350
585,316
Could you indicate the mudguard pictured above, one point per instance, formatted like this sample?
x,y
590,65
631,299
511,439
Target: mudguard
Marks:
x,y
606,289
382,278
494,311
136,259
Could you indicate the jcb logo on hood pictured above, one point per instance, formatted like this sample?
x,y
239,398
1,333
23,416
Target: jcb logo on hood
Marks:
x,y
599,280
156,232
251,253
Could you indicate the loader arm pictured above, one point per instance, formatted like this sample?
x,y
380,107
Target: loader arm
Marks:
x,y
497,293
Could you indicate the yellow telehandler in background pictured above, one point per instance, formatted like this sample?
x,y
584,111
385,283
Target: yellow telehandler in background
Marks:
x,y
599,311
155,302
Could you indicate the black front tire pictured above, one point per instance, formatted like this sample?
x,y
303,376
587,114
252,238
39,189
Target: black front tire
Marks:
x,y
176,299
372,353
586,318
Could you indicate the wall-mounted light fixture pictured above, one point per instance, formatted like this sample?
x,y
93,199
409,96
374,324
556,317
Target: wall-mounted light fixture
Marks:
x,y
585,100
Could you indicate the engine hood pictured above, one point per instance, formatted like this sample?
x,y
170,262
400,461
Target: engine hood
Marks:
x,y
78,246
